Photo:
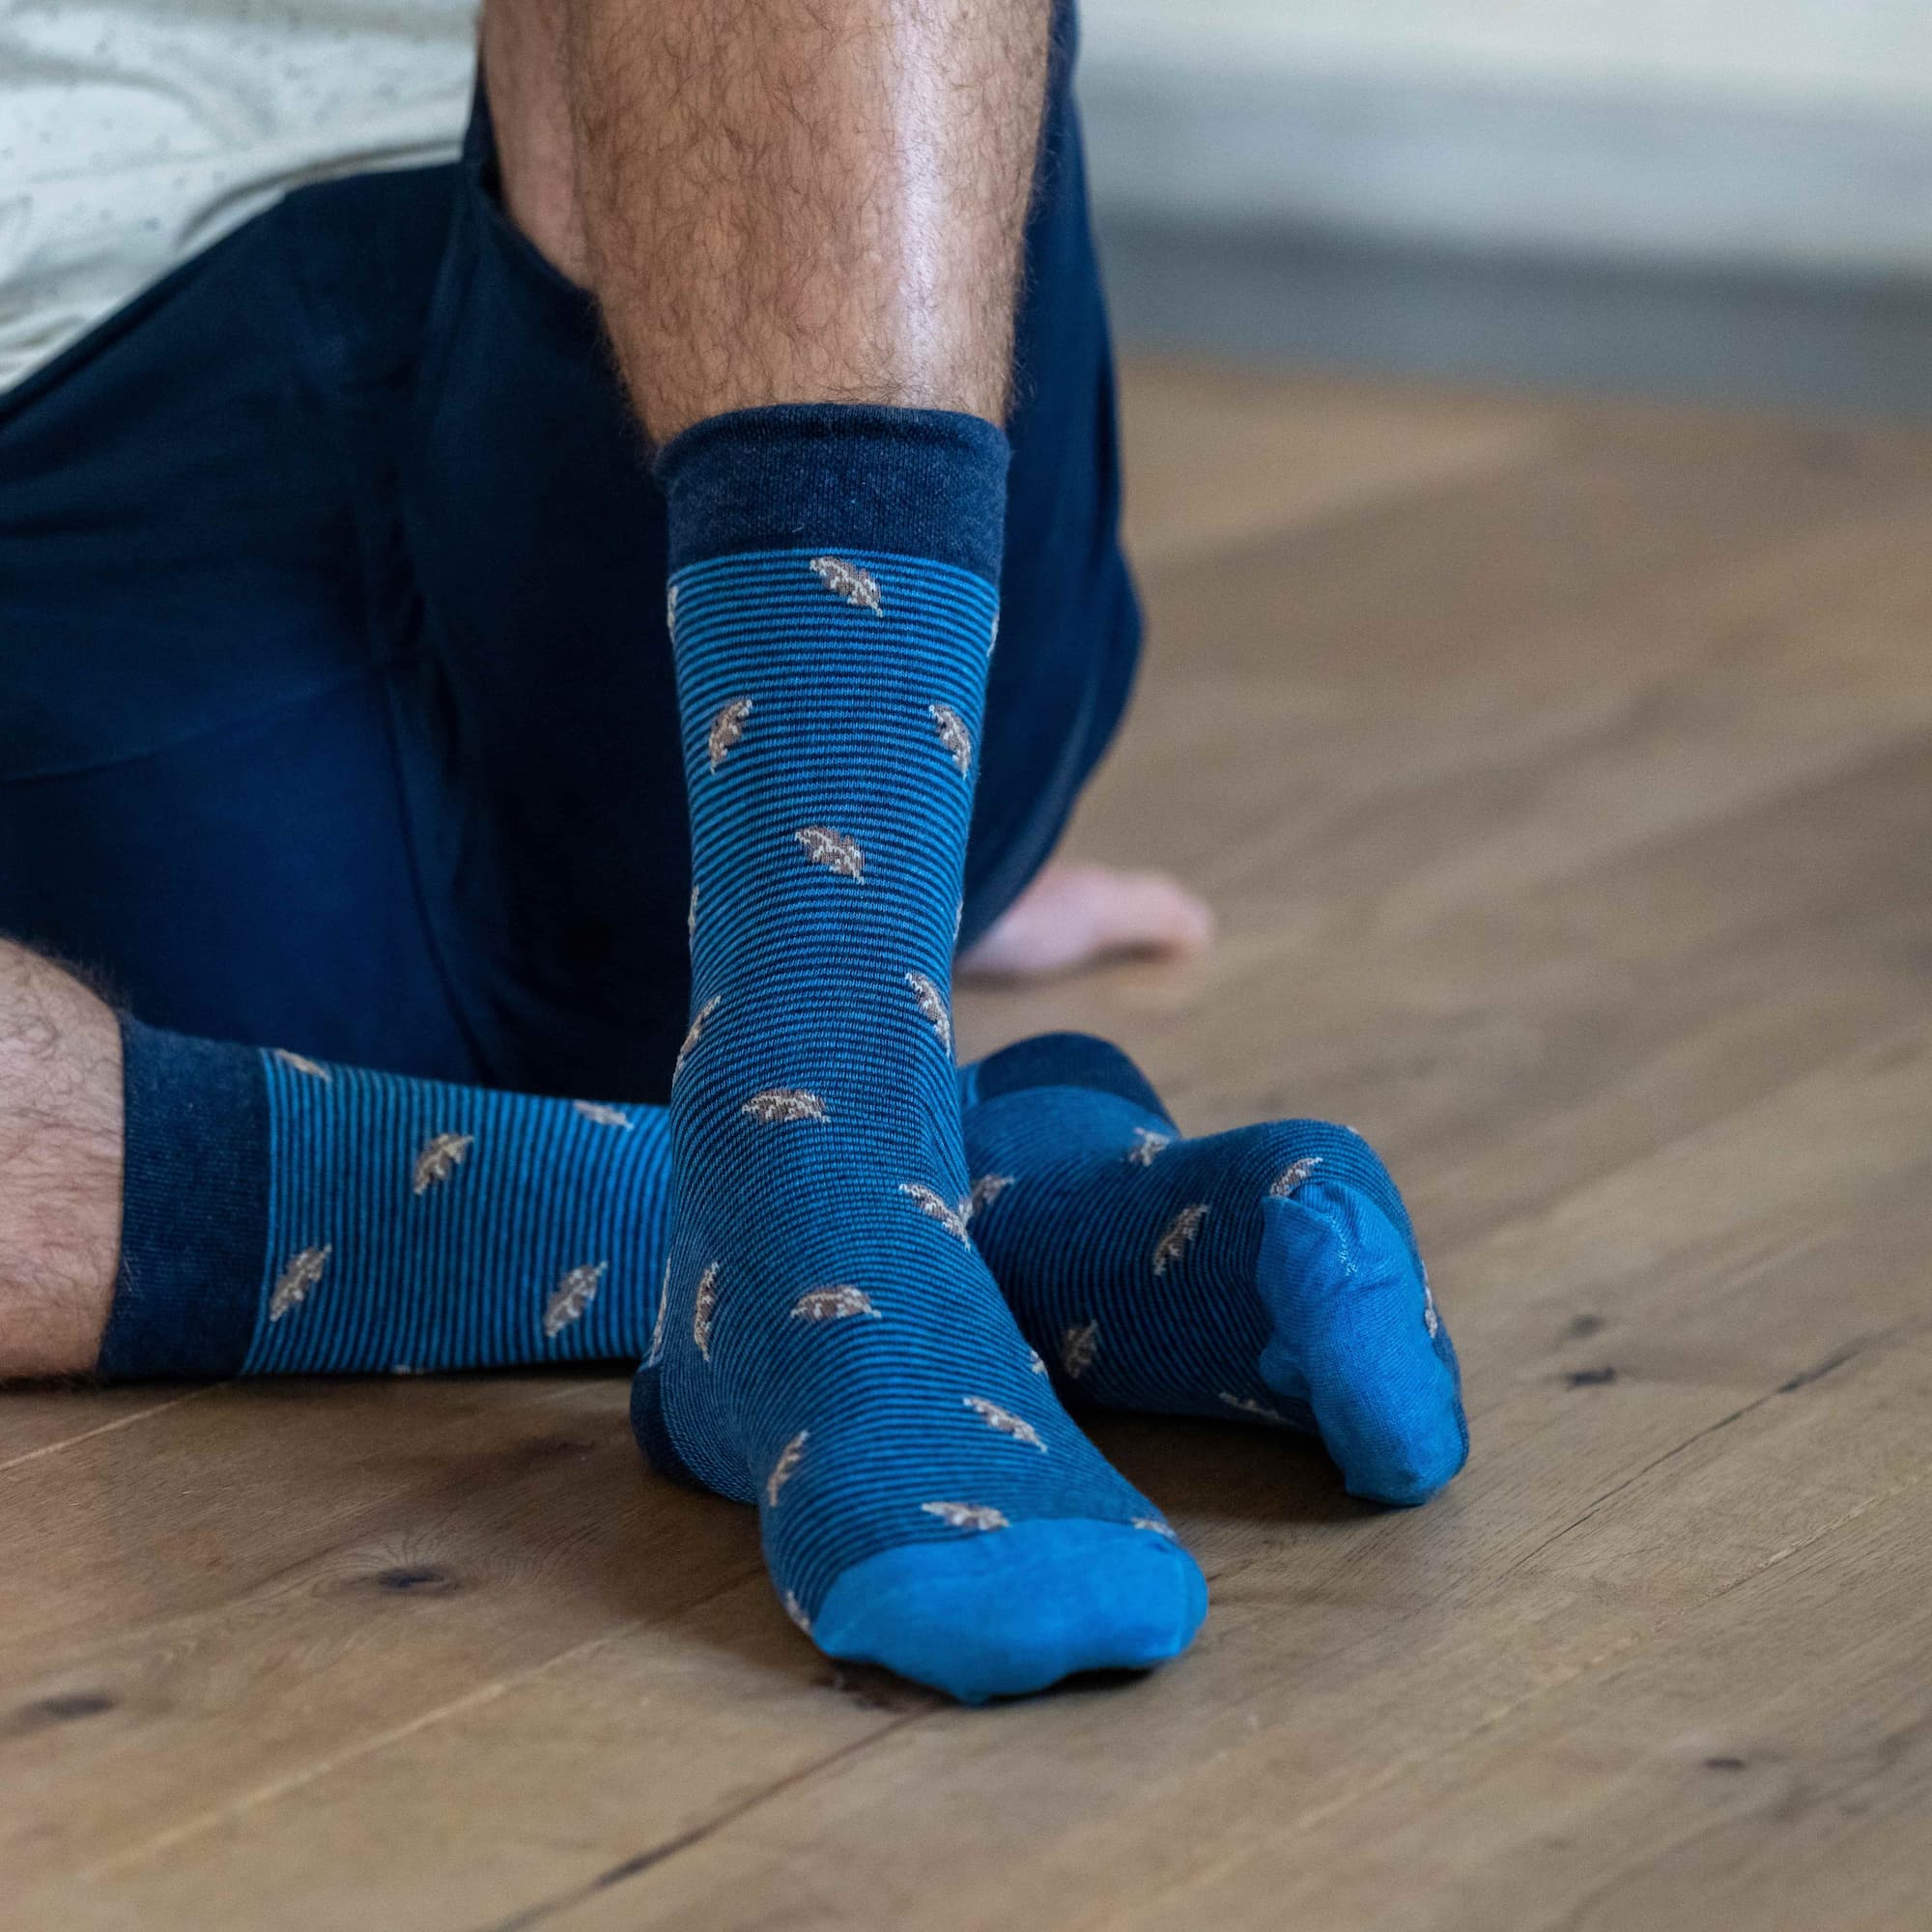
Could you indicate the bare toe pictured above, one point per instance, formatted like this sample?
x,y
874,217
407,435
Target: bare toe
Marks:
x,y
1073,916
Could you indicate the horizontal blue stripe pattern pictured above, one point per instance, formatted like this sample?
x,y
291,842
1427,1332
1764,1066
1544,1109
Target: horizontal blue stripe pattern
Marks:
x,y
415,1226
807,968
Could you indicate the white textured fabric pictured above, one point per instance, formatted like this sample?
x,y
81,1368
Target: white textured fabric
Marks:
x,y
136,132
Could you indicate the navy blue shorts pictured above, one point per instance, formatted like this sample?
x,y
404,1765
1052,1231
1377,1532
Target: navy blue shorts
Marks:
x,y
337,709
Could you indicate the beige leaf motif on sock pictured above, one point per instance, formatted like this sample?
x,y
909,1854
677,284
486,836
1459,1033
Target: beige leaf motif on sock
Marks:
x,y
1259,1411
967,1515
994,638
932,1004
1154,1523
778,1105
302,1064
860,588
929,1201
954,735
670,606
795,1611
727,728
833,1304
691,1038
986,1191
439,1159
300,1274
1180,1231
706,1306
1292,1176
690,917
1147,1144
1078,1347
1005,1421
658,1327
833,850
1431,1321
603,1115
573,1294
786,1466
1038,1362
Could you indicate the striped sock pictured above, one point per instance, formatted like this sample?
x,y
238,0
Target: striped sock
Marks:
x,y
832,1347
1268,1273
284,1217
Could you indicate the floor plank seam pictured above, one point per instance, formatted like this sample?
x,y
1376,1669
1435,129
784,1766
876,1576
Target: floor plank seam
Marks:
x,y
1887,1494
1802,1379
1619,1652
107,1428
648,1859
278,1788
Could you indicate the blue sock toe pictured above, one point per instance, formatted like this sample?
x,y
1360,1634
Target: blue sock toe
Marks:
x,y
1269,1272
1357,1338
1002,1612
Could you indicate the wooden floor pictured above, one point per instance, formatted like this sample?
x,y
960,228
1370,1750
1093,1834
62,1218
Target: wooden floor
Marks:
x,y
1563,779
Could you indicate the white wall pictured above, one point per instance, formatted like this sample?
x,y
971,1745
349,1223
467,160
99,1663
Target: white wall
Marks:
x,y
1743,134
1869,52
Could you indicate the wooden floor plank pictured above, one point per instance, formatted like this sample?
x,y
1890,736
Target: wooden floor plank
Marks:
x,y
1212,461
461,1536
42,1421
1686,1782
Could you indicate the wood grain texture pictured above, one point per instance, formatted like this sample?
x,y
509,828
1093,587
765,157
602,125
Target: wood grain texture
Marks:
x,y
1562,777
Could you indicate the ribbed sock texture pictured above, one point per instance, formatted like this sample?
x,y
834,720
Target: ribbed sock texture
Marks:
x,y
282,1216
1268,1273
831,1344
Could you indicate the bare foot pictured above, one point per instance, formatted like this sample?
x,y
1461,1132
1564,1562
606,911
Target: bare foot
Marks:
x,y
1073,916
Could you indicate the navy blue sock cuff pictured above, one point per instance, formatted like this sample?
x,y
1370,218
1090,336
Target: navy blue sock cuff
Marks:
x,y
927,483
194,1206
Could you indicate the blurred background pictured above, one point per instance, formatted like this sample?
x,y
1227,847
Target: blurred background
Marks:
x,y
1714,200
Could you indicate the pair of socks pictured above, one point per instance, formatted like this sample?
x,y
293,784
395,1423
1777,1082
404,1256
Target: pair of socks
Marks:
x,y
283,1216
828,1340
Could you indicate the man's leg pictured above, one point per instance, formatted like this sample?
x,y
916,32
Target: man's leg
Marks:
x,y
804,231
803,202
60,1167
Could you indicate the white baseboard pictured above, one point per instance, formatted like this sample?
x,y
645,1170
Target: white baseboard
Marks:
x,y
1527,168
